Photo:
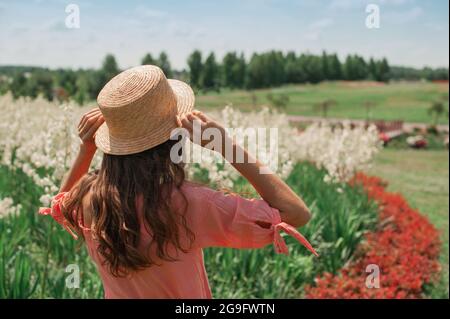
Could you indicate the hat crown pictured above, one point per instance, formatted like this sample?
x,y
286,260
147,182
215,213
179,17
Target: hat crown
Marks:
x,y
140,107
136,101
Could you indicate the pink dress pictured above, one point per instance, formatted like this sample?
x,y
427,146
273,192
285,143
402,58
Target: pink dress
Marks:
x,y
217,220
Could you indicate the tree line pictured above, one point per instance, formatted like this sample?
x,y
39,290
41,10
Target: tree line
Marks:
x,y
233,71
274,68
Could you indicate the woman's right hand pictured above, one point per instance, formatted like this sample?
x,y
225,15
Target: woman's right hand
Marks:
x,y
203,130
88,126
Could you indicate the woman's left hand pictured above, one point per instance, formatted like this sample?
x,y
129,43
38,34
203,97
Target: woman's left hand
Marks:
x,y
87,127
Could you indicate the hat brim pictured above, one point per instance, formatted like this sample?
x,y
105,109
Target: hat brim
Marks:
x,y
112,145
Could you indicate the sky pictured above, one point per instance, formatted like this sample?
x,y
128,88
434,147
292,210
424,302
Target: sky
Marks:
x,y
33,32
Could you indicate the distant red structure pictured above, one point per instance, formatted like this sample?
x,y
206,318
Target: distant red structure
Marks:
x,y
388,129
440,81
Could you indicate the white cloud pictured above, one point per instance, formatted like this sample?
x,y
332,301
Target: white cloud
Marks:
x,y
185,30
350,4
401,17
322,23
177,30
149,13
394,2
19,29
314,30
436,26
54,25
344,4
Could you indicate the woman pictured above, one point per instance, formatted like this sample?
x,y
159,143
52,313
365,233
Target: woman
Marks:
x,y
144,225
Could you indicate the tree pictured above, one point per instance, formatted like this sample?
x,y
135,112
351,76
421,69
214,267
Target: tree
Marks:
x,y
18,85
266,70
255,72
45,85
210,73
164,64
325,106
39,83
383,70
438,74
3,85
82,91
275,68
407,73
109,67
195,68
349,72
148,59
99,78
334,67
436,110
239,71
372,68
293,69
233,70
228,62
65,79
355,68
361,68
95,82
312,68
326,71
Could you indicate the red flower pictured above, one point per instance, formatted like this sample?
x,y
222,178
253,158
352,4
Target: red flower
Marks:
x,y
406,250
384,137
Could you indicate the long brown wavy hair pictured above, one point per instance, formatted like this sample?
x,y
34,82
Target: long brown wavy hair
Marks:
x,y
114,190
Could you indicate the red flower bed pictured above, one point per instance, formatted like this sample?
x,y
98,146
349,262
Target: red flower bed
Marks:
x,y
405,248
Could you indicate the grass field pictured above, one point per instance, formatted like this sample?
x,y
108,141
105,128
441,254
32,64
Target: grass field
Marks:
x,y
398,101
423,178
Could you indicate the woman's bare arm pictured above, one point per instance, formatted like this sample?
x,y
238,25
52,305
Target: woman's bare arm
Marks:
x,y
271,188
87,127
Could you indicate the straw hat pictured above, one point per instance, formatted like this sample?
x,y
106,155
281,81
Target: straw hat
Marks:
x,y
140,107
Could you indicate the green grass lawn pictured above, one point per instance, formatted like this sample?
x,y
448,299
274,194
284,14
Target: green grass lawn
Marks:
x,y
398,101
423,178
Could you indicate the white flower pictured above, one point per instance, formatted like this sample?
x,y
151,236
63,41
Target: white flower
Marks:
x,y
342,151
7,207
45,200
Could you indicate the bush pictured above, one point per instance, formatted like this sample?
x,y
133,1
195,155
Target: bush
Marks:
x,y
434,142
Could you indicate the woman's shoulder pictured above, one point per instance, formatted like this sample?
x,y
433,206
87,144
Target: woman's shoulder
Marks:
x,y
191,193
194,188
197,191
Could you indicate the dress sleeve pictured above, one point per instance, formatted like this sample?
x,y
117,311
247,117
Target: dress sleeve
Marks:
x,y
232,221
55,212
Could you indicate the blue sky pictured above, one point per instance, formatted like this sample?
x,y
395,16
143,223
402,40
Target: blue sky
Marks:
x,y
33,32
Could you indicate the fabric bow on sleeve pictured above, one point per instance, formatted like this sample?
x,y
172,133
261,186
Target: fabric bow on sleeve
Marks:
x,y
55,212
